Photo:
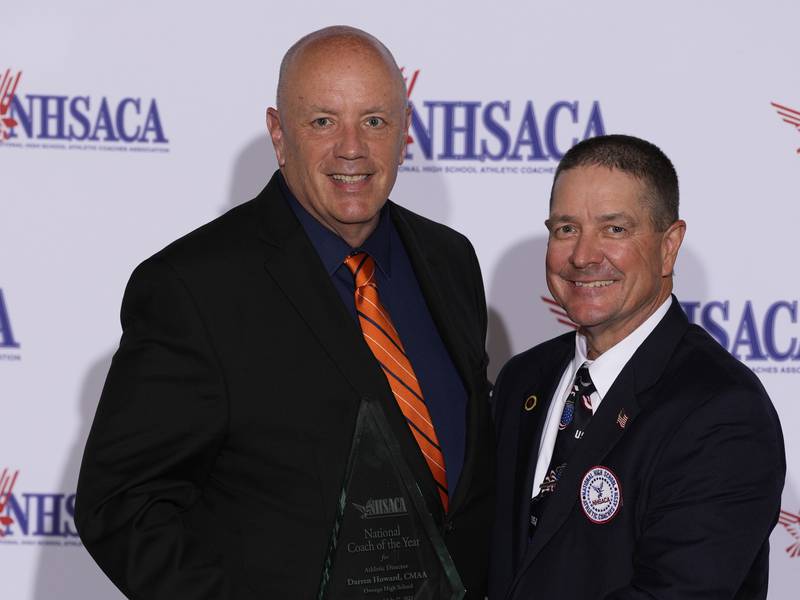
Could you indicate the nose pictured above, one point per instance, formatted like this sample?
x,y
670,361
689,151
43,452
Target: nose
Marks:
x,y
586,252
351,144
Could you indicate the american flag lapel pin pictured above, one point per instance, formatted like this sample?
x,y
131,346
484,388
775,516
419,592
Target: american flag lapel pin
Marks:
x,y
622,419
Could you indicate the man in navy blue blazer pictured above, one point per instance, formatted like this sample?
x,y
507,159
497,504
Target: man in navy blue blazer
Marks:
x,y
636,458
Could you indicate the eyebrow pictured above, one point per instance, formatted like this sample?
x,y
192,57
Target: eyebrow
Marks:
x,y
559,218
618,216
605,218
370,110
376,109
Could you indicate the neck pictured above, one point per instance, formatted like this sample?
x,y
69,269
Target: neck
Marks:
x,y
601,338
355,234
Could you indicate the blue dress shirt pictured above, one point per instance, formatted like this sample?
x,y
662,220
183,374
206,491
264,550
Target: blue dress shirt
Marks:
x,y
442,388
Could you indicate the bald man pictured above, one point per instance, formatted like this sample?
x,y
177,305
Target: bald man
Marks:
x,y
218,451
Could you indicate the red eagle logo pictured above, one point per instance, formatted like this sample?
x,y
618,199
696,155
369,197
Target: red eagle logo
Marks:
x,y
410,83
8,87
791,523
788,115
7,481
556,309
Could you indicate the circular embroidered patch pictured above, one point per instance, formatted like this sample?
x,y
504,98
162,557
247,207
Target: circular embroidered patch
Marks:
x,y
601,494
566,415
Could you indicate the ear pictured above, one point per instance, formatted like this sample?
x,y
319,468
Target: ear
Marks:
x,y
276,133
406,137
670,244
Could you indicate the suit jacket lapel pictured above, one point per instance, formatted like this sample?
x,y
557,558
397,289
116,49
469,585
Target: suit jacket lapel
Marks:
x,y
531,428
640,373
428,271
293,263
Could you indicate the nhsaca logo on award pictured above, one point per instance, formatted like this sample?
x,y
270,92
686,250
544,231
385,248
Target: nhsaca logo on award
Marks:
x,y
382,507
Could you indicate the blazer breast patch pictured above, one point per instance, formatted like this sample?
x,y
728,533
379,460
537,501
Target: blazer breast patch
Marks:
x,y
600,494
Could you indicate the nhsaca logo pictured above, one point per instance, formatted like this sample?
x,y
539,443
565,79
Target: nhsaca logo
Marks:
x,y
81,122
35,518
498,130
7,339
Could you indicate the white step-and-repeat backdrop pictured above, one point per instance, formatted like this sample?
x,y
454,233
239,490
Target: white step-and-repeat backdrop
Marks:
x,y
133,123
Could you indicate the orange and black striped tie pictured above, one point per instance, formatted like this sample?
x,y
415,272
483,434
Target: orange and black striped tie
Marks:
x,y
384,341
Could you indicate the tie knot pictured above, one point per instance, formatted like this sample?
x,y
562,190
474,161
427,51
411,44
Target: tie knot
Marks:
x,y
583,381
362,266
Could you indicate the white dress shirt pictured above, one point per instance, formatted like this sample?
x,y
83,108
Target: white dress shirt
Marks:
x,y
603,371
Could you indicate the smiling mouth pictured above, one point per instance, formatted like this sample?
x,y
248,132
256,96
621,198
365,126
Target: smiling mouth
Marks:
x,y
593,284
341,177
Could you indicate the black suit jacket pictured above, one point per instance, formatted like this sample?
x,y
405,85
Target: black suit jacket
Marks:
x,y
700,462
217,454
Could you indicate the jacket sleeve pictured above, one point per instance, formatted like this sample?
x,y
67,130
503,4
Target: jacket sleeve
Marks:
x,y
713,498
158,428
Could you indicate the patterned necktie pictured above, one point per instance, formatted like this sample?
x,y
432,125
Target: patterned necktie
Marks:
x,y
384,341
574,419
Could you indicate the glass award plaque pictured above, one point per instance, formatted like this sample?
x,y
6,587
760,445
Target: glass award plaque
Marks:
x,y
385,544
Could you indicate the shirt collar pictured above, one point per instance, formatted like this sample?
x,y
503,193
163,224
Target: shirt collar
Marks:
x,y
606,367
331,248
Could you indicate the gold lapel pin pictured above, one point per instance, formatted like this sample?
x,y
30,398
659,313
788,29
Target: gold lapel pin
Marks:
x,y
530,402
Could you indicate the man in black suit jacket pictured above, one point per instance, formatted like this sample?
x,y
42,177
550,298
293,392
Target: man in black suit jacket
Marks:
x,y
218,452
657,472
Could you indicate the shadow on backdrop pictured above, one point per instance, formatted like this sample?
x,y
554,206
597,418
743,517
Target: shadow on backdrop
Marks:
x,y
69,571
691,278
518,318
424,193
252,169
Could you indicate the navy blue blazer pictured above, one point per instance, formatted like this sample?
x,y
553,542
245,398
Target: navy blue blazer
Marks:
x,y
686,453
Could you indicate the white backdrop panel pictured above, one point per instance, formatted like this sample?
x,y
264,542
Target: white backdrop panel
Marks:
x,y
697,78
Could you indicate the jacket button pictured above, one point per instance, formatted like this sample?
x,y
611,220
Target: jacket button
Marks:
x,y
448,526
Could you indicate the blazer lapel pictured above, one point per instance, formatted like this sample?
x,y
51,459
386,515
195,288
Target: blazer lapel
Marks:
x,y
428,271
293,263
531,428
640,373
